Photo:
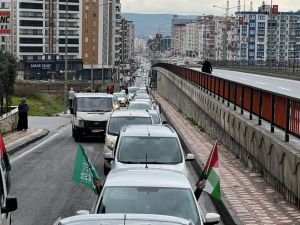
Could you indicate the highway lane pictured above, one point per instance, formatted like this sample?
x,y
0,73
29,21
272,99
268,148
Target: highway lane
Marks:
x,y
42,175
277,85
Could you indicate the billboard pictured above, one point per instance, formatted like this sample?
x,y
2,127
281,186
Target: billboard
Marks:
x,y
4,22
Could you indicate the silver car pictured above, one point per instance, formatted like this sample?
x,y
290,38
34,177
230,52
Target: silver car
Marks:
x,y
120,218
118,119
155,145
151,191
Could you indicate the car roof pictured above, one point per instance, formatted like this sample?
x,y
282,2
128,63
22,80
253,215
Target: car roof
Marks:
x,y
140,102
118,218
146,177
148,131
91,95
133,113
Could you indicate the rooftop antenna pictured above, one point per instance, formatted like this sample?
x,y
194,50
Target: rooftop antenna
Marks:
x,y
251,6
146,161
239,6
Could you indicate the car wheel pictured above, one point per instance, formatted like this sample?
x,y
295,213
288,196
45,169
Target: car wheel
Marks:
x,y
76,136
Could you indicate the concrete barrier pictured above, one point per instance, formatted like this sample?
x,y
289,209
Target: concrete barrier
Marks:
x,y
9,121
258,149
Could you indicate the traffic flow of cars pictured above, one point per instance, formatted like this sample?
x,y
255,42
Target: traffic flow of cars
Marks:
x,y
144,163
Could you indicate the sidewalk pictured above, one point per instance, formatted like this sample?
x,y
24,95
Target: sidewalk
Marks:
x,y
19,139
248,198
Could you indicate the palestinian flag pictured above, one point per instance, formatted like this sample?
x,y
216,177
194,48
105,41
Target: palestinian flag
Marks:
x,y
212,176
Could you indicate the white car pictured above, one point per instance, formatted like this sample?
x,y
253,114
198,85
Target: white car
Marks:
x,y
118,119
151,191
121,218
155,145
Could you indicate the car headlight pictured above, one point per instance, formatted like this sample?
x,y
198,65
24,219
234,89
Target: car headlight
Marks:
x,y
110,143
80,123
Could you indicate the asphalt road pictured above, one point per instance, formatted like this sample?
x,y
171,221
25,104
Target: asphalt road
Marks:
x,y
42,175
277,85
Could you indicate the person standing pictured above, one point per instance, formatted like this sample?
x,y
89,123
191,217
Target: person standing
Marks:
x,y
206,67
23,115
71,97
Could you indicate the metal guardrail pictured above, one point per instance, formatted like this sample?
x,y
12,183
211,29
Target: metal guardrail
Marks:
x,y
279,110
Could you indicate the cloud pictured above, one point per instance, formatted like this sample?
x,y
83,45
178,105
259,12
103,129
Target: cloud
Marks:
x,y
198,7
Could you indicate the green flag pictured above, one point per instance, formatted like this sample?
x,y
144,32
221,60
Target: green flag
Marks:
x,y
84,171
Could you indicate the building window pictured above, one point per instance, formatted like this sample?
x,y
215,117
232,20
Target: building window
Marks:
x,y
86,39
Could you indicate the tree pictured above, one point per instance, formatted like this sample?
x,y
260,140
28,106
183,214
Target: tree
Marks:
x,y
8,70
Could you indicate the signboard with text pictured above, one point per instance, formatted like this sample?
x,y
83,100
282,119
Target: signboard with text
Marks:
x,y
4,22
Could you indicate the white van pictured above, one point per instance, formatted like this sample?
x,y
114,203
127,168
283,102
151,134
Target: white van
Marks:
x,y
90,114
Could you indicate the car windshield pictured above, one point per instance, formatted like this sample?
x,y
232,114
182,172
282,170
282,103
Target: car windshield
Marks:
x,y
116,123
119,95
177,202
94,104
132,90
139,105
159,150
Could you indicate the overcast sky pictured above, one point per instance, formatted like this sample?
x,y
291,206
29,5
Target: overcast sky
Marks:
x,y
198,7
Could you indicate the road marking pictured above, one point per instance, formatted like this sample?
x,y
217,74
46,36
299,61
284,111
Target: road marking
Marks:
x,y
259,82
286,89
34,148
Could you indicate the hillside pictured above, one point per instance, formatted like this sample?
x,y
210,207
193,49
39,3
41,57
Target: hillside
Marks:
x,y
148,24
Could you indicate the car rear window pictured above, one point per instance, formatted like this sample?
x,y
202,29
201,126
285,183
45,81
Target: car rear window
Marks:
x,y
116,123
157,150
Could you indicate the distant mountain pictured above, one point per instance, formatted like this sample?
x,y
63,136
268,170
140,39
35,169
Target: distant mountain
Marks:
x,y
148,24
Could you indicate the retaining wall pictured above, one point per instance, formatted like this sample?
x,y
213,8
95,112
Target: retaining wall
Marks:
x,y
9,121
261,151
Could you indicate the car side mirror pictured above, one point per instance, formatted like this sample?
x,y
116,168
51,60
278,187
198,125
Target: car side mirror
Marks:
x,y
108,156
164,122
11,205
190,157
212,218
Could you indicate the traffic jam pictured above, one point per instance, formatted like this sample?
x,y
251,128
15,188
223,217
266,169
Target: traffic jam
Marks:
x,y
144,163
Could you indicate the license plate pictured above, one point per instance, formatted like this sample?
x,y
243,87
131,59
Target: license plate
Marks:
x,y
97,131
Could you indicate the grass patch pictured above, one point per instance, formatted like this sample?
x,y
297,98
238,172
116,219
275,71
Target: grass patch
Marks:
x,y
192,121
42,104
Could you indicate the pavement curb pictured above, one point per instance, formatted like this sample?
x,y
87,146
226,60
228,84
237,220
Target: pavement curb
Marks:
x,y
228,217
16,147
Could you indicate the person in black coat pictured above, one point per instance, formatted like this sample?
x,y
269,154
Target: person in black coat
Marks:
x,y
206,67
23,115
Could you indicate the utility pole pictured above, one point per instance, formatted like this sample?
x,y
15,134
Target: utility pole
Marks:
x,y
66,60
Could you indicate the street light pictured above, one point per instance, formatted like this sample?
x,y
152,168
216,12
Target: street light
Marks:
x,y
92,65
66,60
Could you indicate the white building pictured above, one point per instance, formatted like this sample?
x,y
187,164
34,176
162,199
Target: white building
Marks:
x,y
191,39
267,36
139,45
40,29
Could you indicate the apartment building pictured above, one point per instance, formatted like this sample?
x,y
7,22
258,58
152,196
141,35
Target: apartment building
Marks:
x,y
191,39
139,45
268,35
39,32
178,32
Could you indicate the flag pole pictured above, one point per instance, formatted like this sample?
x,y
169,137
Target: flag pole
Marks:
x,y
203,174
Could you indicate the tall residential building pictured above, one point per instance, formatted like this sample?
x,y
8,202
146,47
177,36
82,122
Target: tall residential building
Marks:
x,y
207,42
268,35
177,34
191,39
100,37
139,45
130,43
41,29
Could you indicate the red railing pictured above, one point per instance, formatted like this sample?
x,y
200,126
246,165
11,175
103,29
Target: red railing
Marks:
x,y
279,110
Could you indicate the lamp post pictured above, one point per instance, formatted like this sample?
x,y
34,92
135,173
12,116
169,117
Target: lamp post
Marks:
x,y
225,37
66,60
